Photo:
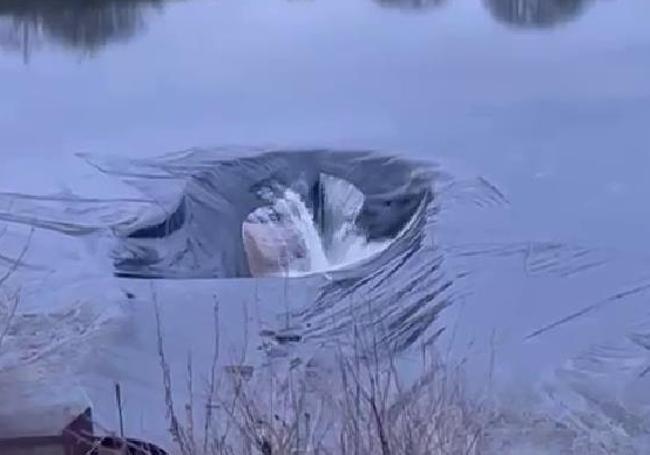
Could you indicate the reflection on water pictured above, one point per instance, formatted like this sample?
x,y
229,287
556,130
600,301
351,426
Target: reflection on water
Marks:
x,y
81,24
411,4
90,24
536,13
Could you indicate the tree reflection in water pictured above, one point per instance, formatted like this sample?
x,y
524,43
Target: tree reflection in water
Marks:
x,y
521,13
536,13
411,4
81,24
91,24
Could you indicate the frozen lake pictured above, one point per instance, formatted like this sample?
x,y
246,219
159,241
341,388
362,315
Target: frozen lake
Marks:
x,y
534,115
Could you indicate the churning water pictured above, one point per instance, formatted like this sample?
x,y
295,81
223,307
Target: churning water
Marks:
x,y
297,234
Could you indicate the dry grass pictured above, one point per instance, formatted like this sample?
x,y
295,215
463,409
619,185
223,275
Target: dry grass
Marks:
x,y
360,405
9,300
8,307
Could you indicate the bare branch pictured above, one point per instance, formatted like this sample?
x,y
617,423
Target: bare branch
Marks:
x,y
16,263
11,314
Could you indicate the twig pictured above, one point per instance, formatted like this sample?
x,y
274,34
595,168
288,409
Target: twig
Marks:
x,y
212,385
189,408
13,306
175,429
16,263
118,399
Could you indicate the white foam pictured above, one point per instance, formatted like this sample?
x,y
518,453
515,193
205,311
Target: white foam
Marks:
x,y
301,247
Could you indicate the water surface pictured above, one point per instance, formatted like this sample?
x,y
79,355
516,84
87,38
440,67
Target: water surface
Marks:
x,y
545,103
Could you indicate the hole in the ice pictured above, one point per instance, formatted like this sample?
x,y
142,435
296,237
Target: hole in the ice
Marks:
x,y
278,214
292,234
